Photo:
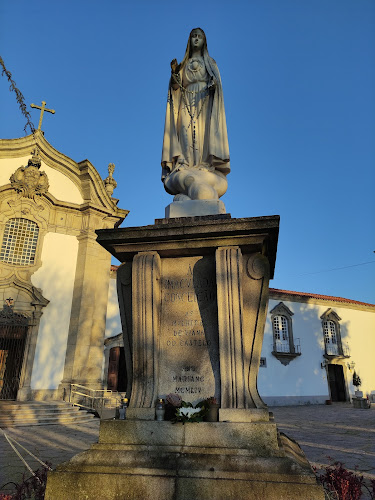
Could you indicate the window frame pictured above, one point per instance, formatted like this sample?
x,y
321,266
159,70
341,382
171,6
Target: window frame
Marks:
x,y
293,347
29,245
331,316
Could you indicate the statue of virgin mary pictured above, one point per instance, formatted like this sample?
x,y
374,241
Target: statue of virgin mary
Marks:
x,y
195,157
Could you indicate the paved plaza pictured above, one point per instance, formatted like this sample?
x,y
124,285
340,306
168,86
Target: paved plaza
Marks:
x,y
339,431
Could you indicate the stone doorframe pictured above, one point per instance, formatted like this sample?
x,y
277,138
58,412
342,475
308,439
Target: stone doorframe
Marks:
x,y
28,301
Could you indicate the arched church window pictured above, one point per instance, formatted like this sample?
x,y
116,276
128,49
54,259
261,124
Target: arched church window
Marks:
x,y
19,242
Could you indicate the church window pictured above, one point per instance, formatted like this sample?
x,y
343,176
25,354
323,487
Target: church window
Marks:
x,y
19,242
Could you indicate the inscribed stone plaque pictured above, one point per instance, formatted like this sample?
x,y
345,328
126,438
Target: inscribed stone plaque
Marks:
x,y
189,354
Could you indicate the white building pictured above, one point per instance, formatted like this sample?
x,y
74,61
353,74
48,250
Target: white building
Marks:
x,y
312,344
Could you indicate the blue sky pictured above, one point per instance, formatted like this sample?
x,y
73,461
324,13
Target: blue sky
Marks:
x,y
299,91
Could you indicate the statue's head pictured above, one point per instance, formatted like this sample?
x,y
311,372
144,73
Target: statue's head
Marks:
x,y
197,36
197,40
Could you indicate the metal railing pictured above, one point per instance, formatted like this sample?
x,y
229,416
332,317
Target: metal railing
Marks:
x,y
335,350
285,347
93,399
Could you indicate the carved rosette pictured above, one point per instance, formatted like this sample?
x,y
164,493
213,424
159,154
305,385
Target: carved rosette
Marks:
x,y
30,181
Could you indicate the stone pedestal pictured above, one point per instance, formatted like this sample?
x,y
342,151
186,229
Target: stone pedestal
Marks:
x,y
192,208
141,460
193,295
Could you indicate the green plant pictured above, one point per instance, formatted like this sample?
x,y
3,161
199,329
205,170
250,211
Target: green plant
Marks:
x,y
356,380
182,409
187,416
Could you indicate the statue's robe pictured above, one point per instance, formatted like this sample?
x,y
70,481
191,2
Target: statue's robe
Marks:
x,y
199,136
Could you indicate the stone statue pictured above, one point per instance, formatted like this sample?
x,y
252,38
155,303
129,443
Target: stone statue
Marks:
x,y
195,157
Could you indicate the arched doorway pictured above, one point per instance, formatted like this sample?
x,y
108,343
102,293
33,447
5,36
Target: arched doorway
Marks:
x,y
13,334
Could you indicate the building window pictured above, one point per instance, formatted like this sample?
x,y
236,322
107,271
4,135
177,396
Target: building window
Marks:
x,y
285,348
263,363
333,346
280,332
330,337
19,242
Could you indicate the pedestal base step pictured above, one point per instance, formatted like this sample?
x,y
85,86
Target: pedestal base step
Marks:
x,y
137,460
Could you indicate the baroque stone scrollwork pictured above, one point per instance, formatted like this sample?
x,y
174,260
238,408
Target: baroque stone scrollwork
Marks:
x,y
29,181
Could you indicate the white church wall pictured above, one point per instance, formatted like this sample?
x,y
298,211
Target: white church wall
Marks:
x,y
113,322
56,280
303,381
60,186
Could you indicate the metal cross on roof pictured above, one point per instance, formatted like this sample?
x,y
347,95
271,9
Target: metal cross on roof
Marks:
x,y
42,110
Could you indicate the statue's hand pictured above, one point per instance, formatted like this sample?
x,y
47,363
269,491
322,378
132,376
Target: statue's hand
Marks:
x,y
174,66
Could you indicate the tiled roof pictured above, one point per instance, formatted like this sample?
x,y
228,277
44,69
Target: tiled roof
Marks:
x,y
276,291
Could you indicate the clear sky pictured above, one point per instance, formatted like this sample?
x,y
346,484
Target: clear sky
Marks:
x,y
299,92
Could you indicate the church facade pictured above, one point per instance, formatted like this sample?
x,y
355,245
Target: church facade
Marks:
x,y
53,275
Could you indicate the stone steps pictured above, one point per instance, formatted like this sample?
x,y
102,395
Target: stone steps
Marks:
x,y
16,413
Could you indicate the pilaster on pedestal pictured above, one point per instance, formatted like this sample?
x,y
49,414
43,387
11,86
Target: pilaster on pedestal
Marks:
x,y
146,303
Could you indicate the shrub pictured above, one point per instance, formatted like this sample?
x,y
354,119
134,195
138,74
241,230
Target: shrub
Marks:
x,y
341,484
